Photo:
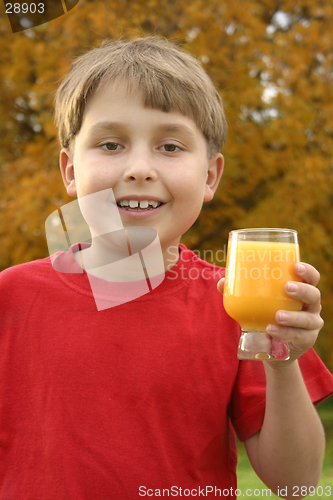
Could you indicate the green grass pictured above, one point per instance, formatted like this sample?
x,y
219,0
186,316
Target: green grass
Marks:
x,y
248,480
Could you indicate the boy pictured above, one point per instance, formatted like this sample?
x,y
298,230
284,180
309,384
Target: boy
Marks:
x,y
141,399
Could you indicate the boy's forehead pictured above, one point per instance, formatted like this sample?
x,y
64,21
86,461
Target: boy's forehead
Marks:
x,y
111,89
98,118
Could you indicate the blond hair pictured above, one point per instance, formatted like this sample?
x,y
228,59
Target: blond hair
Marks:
x,y
169,78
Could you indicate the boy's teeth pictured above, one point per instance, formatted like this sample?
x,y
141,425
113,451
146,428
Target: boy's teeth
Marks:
x,y
144,204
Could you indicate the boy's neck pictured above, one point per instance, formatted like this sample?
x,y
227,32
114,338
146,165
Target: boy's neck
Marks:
x,y
95,260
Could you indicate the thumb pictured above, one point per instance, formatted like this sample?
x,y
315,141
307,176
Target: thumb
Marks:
x,y
220,285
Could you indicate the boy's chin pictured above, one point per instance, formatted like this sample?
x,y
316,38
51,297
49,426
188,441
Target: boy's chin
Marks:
x,y
131,239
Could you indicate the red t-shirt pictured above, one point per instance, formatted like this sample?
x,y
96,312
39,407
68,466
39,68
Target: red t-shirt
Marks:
x,y
129,400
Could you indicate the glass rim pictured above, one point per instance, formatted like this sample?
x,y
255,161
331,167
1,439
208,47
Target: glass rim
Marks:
x,y
264,229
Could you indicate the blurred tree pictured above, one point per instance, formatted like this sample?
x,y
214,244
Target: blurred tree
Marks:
x,y
272,62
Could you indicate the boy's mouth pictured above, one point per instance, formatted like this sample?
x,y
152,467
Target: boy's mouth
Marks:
x,y
139,206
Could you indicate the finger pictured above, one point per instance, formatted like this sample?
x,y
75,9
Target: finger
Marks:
x,y
298,338
308,294
220,285
299,319
307,273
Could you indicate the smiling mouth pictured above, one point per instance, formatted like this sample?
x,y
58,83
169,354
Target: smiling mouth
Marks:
x,y
139,206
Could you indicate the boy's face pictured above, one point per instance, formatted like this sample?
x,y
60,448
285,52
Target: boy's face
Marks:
x,y
142,154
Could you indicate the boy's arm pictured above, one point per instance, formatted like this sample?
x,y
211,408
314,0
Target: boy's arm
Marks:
x,y
288,451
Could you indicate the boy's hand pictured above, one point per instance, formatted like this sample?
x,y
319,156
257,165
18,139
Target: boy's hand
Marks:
x,y
299,328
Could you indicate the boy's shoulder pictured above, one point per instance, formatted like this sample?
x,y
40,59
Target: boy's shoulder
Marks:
x,y
20,273
194,260
22,283
195,273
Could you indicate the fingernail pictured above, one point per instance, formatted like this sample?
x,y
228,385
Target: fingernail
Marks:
x,y
272,328
283,316
292,287
300,268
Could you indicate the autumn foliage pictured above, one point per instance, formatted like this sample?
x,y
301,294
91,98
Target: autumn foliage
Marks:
x,y
272,63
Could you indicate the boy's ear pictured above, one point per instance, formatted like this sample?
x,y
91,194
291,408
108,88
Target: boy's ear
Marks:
x,y
67,171
214,174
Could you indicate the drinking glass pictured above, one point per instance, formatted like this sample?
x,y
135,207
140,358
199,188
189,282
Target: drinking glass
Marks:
x,y
259,263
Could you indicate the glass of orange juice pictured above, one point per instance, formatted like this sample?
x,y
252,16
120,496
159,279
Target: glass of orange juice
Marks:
x,y
259,263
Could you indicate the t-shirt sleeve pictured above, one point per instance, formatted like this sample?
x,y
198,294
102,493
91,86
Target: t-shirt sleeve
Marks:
x,y
247,406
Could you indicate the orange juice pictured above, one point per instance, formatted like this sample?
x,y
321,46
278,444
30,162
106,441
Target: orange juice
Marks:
x,y
254,287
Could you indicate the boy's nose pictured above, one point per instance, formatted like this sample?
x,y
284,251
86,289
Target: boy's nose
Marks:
x,y
140,168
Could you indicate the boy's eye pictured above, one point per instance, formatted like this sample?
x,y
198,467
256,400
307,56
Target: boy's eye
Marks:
x,y
111,146
171,148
